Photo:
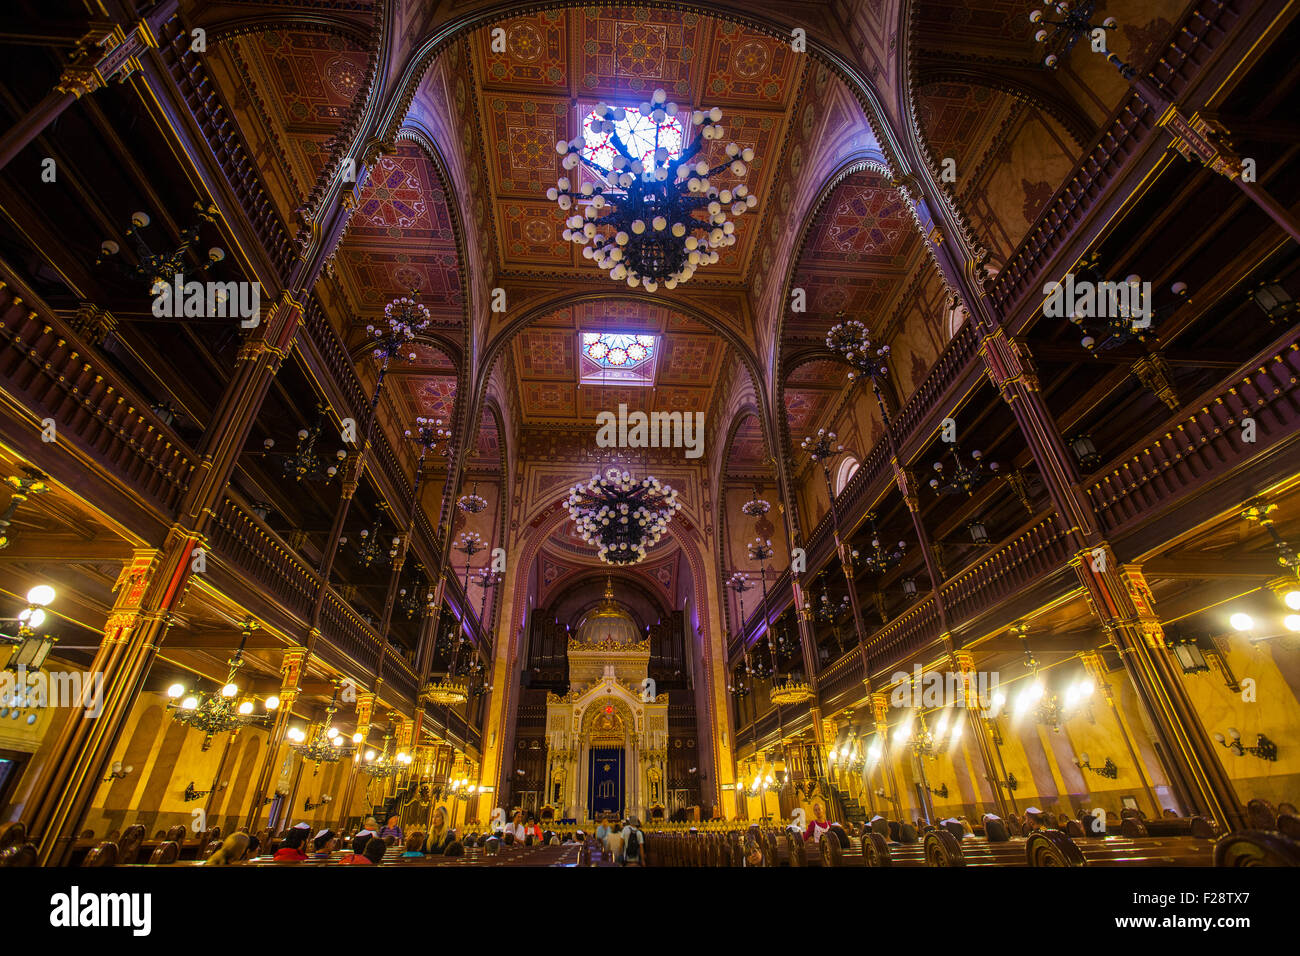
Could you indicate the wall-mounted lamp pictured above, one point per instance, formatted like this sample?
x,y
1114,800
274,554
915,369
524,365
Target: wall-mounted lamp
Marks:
x,y
1108,769
119,771
324,799
192,794
1264,748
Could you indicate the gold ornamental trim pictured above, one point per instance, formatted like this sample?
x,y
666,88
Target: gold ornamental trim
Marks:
x,y
448,691
791,692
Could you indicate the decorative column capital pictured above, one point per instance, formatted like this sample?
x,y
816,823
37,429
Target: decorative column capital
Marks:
x,y
118,57
1203,140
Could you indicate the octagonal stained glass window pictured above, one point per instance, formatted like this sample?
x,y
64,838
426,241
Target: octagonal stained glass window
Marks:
x,y
640,134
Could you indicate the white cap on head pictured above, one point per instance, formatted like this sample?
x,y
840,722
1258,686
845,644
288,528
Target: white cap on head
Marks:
x,y
302,826
1033,810
991,816
875,818
326,832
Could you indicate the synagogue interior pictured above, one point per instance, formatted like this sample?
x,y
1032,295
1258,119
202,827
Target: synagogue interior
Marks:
x,y
843,433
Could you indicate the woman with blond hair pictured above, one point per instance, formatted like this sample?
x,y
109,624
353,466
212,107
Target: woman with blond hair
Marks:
x,y
440,836
232,850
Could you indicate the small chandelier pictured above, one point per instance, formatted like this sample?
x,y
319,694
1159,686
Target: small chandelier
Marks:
x,y
852,340
622,517
163,268
826,611
822,447
429,435
447,691
790,691
658,218
879,559
215,713
1120,311
306,460
410,601
381,766
965,478
370,551
756,507
472,503
326,745
404,319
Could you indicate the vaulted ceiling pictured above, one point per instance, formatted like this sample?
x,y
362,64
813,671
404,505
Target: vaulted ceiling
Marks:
x,y
547,71
546,361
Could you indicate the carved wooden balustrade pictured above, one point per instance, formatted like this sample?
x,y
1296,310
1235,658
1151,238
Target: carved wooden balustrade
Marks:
x,y
1172,479
1131,130
245,544
221,131
50,374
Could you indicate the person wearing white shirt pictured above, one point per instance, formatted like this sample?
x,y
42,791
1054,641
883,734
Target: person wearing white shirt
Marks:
x,y
516,828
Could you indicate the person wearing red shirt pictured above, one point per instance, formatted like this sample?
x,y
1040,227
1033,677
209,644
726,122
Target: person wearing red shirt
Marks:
x,y
291,850
817,826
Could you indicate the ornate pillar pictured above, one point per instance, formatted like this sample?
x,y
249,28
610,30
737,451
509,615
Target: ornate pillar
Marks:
x,y
291,667
365,706
979,730
148,587
1122,599
880,710
106,53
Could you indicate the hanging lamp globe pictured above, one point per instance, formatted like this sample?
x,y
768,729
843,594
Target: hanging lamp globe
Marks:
x,y
655,215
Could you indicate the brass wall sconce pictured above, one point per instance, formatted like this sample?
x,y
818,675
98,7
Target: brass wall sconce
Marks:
x,y
1264,748
1108,769
192,794
308,805
119,771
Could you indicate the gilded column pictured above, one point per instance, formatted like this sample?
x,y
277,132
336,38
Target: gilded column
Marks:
x,y
1122,599
290,674
365,706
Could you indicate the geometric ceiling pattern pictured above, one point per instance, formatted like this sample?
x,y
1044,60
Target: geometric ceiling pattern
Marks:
x,y
859,249
547,363
810,392
557,65
301,84
400,238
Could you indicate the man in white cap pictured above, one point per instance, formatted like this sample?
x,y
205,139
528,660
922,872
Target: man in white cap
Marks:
x,y
291,850
323,843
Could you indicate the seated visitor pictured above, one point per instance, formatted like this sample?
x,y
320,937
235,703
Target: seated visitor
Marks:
x,y
414,847
323,845
232,850
291,850
995,830
817,825
392,829
359,843
375,850
439,836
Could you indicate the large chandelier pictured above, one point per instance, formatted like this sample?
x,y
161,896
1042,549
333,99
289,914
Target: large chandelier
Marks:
x,y
227,709
383,765
620,516
659,218
852,340
326,743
